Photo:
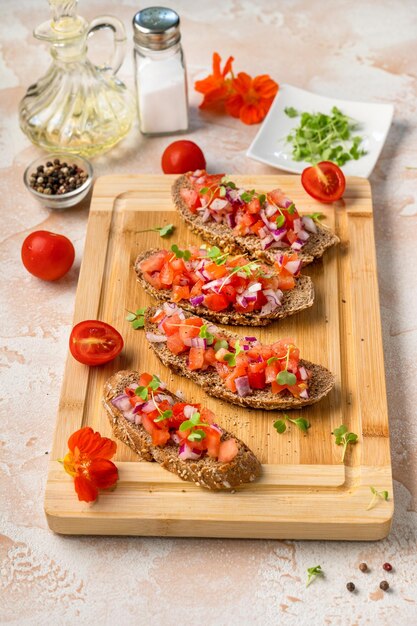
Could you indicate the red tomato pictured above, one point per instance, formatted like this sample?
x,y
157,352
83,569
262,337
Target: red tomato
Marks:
x,y
155,262
324,181
228,451
47,255
181,157
216,302
196,358
93,343
175,345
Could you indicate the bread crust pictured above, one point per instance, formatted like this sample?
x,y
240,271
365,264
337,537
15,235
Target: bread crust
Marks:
x,y
293,301
206,472
321,382
222,236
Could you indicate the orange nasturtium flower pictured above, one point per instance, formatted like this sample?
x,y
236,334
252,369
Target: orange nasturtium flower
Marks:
x,y
88,461
216,86
252,97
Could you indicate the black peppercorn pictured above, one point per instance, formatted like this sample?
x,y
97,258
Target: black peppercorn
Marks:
x,y
58,178
384,585
350,587
363,567
387,567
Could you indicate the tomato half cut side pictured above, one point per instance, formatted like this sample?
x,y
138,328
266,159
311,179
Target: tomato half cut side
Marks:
x,y
324,182
94,343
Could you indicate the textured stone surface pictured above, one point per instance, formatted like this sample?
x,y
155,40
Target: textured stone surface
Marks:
x,y
353,49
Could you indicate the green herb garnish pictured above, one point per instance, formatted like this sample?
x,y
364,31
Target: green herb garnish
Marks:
x,y
215,254
317,217
280,221
344,438
248,269
165,415
204,334
137,319
247,196
281,425
312,573
222,343
376,495
192,424
164,231
142,392
230,357
291,112
181,254
203,191
321,137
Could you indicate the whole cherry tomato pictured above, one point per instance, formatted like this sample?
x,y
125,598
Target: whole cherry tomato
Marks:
x,y
47,255
182,156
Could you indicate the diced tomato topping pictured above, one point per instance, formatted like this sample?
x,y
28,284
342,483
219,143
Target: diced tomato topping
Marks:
x,y
216,302
228,450
160,437
171,324
191,199
155,262
254,206
196,358
212,441
291,236
180,293
286,282
144,380
210,356
175,344
153,279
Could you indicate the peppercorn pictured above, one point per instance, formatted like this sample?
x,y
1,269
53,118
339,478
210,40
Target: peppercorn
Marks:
x,y
363,567
350,587
57,178
387,567
384,585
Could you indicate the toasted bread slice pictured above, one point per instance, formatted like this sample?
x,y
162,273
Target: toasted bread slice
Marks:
x,y
321,382
294,301
205,472
224,237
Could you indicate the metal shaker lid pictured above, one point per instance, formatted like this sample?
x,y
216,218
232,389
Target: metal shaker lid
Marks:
x,y
156,28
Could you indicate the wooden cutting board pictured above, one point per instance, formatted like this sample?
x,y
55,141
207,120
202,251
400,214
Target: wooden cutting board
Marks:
x,y
305,491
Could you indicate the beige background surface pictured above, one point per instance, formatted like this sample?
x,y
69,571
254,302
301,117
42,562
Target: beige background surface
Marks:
x,y
359,50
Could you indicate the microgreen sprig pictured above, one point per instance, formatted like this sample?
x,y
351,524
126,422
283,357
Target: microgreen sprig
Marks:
x,y
321,137
205,334
197,434
181,254
164,231
249,269
137,319
376,495
281,425
143,391
230,357
312,573
221,343
216,255
284,377
317,217
344,438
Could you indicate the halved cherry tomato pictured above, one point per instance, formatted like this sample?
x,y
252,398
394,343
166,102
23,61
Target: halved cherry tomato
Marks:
x,y
182,156
324,181
93,342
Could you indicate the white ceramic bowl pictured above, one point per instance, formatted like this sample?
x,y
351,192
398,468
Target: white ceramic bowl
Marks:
x,y
270,145
65,200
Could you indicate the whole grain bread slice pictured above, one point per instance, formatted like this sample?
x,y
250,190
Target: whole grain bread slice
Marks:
x,y
205,472
321,382
293,301
225,238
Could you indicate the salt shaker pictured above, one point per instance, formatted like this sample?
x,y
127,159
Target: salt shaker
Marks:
x,y
161,82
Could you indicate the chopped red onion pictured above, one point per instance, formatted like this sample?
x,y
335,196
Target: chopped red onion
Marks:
x,y
250,339
287,203
274,301
303,373
216,427
293,267
270,209
198,173
163,396
266,242
217,218
279,233
254,287
160,325
213,284
138,407
279,244
303,235
304,394
212,329
170,308
297,225
230,220
241,300
122,402
243,387
200,180
130,416
309,224
297,244
219,204
185,453
198,342
138,419
189,411
154,338
176,438
263,232
148,407
206,215
196,300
